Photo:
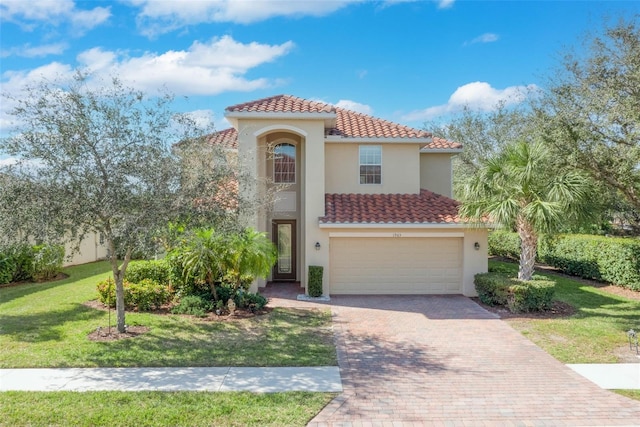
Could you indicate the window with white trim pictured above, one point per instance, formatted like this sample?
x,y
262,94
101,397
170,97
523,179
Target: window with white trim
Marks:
x,y
370,164
284,164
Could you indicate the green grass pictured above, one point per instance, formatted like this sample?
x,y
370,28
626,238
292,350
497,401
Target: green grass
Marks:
x,y
596,333
46,325
159,408
632,394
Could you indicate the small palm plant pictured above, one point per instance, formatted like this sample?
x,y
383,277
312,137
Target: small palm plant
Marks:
x,y
247,256
201,259
519,189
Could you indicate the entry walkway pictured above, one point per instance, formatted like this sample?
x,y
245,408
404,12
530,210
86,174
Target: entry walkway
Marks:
x,y
264,380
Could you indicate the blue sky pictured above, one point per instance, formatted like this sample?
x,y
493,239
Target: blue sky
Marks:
x,y
405,61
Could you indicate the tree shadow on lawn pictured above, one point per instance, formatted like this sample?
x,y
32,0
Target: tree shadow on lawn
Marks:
x,y
183,342
44,326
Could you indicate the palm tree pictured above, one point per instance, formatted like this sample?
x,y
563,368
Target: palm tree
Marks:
x,y
247,255
201,259
518,188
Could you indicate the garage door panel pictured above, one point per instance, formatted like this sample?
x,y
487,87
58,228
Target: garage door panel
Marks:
x,y
396,265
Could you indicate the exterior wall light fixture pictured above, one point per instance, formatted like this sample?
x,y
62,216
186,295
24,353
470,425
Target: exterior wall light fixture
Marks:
x,y
476,246
317,246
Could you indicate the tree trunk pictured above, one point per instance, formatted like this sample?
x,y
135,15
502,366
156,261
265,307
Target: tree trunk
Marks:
x,y
118,277
528,249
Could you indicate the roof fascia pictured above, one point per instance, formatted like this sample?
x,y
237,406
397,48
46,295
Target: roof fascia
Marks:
x,y
441,150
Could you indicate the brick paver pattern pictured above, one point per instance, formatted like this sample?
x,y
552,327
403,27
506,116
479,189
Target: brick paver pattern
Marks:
x,y
444,360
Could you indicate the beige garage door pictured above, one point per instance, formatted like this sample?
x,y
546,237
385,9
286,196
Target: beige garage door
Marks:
x,y
396,265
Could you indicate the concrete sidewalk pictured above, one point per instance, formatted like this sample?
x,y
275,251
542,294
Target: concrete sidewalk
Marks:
x,y
262,380
621,376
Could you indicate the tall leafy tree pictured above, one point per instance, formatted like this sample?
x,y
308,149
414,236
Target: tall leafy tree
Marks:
x,y
98,158
519,188
591,111
483,134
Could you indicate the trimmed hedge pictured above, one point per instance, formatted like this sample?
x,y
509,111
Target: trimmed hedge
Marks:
x,y
145,296
516,295
315,280
156,270
611,259
47,261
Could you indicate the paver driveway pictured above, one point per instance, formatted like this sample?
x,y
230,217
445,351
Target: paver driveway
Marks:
x,y
440,360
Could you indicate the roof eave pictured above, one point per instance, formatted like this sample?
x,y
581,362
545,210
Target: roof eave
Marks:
x,y
278,115
441,150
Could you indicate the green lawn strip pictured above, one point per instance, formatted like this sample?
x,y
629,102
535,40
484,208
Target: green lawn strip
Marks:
x,y
632,394
159,408
46,325
596,333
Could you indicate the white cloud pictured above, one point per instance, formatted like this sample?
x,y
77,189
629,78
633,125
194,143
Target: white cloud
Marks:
x,y
202,118
484,38
203,69
478,96
28,51
161,16
354,106
208,68
31,13
8,161
445,4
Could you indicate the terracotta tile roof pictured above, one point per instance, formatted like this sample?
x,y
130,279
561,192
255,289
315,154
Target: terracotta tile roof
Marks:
x,y
441,143
282,104
350,124
426,207
227,138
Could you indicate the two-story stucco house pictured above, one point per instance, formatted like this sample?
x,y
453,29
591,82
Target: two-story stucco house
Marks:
x,y
367,199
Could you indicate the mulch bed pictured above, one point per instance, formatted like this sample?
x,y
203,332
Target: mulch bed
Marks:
x,y
104,333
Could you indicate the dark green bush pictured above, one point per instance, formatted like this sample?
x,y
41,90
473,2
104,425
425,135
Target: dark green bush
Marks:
x,y
145,295
7,267
47,261
22,255
504,244
194,305
249,300
16,263
315,280
182,285
516,295
156,270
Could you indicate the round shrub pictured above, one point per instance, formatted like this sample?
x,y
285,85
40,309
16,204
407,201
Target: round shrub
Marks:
x,y
194,305
156,270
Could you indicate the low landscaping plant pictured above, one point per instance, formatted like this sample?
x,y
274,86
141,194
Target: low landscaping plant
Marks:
x,y
315,280
145,295
516,295
193,305
47,261
22,262
156,270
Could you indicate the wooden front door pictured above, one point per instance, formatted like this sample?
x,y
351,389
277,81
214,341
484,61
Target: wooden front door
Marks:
x,y
284,237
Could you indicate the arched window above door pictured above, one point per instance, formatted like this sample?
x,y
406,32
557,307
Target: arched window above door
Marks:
x,y
284,164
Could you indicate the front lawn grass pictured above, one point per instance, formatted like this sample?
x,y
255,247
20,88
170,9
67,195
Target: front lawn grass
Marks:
x,y
596,333
46,325
159,408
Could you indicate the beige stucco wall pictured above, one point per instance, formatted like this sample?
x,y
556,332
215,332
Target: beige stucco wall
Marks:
x,y
475,261
90,250
435,173
400,169
253,138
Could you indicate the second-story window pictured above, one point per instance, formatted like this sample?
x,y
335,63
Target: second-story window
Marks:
x,y
370,164
284,164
